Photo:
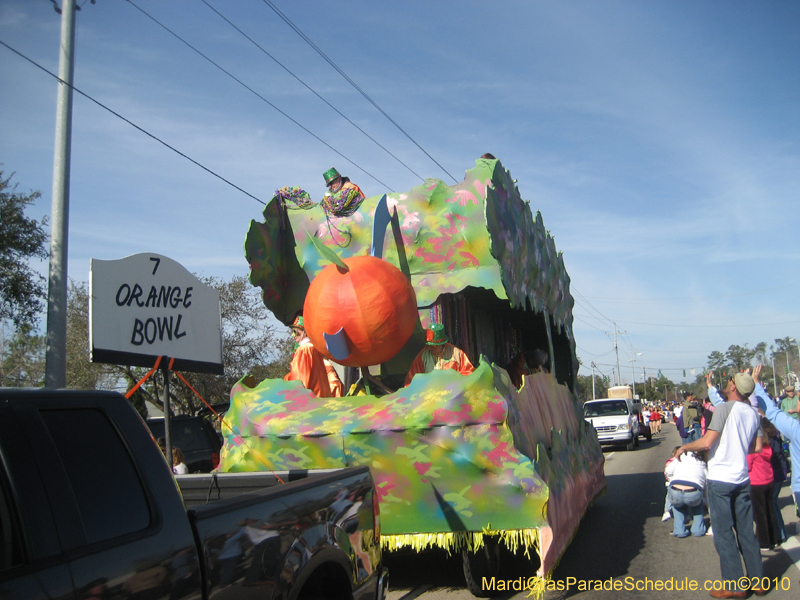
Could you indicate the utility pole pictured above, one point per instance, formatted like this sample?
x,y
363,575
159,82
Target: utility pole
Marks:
x,y
594,387
56,351
616,349
774,379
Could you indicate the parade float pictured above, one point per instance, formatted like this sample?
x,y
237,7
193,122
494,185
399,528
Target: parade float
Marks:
x,y
466,463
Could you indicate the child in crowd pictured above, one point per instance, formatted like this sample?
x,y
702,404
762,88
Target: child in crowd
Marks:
x,y
759,467
179,462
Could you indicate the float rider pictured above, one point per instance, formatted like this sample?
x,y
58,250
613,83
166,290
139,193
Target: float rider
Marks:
x,y
308,364
336,183
438,354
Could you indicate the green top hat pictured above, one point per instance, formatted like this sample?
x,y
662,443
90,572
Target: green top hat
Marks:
x,y
330,175
435,335
298,323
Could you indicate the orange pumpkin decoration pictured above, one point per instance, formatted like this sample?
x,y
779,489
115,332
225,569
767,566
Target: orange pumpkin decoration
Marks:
x,y
372,302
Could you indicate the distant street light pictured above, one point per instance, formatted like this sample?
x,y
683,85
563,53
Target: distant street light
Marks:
x,y
633,373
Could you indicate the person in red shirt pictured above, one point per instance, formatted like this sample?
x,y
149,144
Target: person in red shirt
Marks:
x,y
308,365
439,354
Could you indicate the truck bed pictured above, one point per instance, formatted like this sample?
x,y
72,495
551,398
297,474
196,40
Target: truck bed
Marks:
x,y
210,488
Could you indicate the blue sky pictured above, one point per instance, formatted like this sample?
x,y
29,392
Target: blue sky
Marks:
x,y
660,140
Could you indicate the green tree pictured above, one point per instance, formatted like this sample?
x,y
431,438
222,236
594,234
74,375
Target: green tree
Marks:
x,y
583,387
21,239
81,373
739,357
22,358
783,355
760,353
716,361
661,389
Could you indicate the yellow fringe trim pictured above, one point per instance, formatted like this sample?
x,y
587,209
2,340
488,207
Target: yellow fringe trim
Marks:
x,y
451,541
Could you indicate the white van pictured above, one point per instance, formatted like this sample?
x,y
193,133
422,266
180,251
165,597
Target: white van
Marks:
x,y
615,420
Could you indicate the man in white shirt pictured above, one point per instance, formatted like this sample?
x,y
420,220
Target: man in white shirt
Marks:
x,y
729,437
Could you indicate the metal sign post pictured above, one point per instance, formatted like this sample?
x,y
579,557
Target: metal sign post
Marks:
x,y
167,433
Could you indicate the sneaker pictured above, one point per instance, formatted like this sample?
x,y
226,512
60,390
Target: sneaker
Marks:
x,y
709,532
666,517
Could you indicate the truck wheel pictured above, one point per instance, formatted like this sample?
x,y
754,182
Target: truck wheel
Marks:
x,y
632,443
483,563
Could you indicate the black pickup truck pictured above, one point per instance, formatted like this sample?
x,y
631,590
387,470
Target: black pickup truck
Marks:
x,y
90,510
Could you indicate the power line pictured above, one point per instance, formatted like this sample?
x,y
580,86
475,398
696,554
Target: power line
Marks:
x,y
350,81
577,318
592,353
309,88
590,305
132,124
247,87
585,302
735,325
584,299
679,300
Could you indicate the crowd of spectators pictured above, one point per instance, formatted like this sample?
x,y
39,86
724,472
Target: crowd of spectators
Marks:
x,y
735,458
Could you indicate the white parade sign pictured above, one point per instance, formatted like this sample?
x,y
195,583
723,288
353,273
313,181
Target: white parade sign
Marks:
x,y
147,305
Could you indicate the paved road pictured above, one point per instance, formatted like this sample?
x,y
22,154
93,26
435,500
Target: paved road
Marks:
x,y
621,537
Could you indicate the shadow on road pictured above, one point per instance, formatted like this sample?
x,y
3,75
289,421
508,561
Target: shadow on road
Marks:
x,y
409,569
612,533
435,570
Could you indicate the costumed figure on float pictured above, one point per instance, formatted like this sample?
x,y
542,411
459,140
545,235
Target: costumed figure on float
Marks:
x,y
438,354
308,365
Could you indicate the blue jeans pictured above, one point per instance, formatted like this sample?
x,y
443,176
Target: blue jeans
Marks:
x,y
687,502
732,510
780,529
693,432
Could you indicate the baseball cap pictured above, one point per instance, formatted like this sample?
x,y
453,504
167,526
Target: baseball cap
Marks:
x,y
744,384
